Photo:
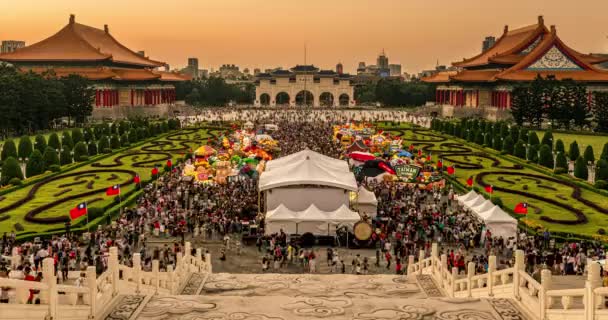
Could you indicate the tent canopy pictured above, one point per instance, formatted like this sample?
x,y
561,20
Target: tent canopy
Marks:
x,y
473,202
322,159
311,220
484,206
472,194
281,213
366,197
496,214
311,170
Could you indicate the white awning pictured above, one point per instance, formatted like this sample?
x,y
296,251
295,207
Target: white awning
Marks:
x,y
472,194
366,197
322,159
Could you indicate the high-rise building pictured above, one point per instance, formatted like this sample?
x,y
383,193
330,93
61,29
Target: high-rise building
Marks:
x,y
487,43
11,45
382,61
339,68
394,70
192,68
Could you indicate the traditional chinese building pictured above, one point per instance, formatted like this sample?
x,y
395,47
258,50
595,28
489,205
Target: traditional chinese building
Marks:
x,y
304,85
124,81
485,81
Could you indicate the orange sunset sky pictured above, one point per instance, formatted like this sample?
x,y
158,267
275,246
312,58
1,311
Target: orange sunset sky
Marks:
x,y
271,33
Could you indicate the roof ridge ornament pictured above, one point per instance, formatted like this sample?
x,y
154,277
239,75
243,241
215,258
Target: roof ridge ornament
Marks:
x,y
541,20
72,18
506,30
106,28
553,30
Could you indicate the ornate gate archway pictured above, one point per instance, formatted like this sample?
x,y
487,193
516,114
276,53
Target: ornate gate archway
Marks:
x,y
305,98
326,99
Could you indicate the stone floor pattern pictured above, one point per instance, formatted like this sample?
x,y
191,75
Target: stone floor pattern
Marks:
x,y
304,296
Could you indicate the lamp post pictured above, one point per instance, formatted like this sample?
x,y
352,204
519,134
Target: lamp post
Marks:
x,y
591,172
555,154
527,146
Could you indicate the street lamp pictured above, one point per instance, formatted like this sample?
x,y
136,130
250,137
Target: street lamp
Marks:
x,y
591,172
555,154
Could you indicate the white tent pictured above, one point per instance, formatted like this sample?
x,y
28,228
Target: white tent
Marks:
x,y
281,218
484,206
319,158
367,202
472,194
473,202
499,222
307,172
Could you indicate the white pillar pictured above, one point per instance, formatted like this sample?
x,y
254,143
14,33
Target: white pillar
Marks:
x,y
155,274
454,276
199,259
491,270
113,268
187,249
518,267
49,277
15,258
410,264
443,267
137,271
545,283
171,280
208,260
434,256
470,274
420,261
92,286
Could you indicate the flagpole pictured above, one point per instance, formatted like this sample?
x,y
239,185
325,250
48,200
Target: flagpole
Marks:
x,y
87,214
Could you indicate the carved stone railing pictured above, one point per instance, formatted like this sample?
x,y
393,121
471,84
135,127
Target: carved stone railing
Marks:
x,y
535,298
96,293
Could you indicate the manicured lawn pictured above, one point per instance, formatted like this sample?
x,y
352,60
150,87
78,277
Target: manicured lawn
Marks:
x,y
95,178
478,162
597,142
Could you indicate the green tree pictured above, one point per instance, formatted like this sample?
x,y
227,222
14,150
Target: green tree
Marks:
x,y
80,152
77,136
519,104
588,155
580,168
533,138
9,150
573,152
66,140
25,147
479,137
600,111
92,148
114,142
104,145
133,138
548,139
497,143
35,164
523,135
487,140
561,162
602,170
124,140
507,145
533,153
559,146
604,154
545,157
514,133
50,157
536,103
10,170
40,143
54,141
78,96
89,135
579,104
519,150
65,157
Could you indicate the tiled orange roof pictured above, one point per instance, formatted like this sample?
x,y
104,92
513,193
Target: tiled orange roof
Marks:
x,y
439,77
172,76
101,73
134,74
78,42
475,75
510,42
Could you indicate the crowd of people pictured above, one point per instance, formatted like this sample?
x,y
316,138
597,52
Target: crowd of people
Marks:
x,y
409,219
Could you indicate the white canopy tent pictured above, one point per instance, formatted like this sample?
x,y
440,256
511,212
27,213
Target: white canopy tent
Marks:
x,y
473,202
306,172
318,158
311,220
484,206
367,202
472,194
500,223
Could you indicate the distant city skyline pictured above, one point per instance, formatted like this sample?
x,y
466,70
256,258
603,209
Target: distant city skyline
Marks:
x,y
271,33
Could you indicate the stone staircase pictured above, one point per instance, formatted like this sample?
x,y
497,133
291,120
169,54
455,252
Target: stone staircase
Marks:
x,y
309,296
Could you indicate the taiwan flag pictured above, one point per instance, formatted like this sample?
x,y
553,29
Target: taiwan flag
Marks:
x,y
521,208
411,147
439,164
429,157
79,211
113,190
154,171
169,163
419,152
136,179
470,181
451,170
489,189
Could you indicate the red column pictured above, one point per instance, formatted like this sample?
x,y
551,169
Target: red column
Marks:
x,y
493,99
477,98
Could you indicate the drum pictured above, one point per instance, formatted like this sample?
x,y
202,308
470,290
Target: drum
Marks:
x,y
362,230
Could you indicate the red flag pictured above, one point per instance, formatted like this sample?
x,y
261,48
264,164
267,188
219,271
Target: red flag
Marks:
x,y
420,152
136,179
451,170
439,164
429,157
169,163
489,189
411,147
79,211
154,171
521,208
113,190
470,181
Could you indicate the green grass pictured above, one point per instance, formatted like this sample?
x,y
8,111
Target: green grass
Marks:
x,y
583,140
49,192
547,189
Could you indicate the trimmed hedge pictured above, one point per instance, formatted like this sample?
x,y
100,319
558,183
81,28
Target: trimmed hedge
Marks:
x,y
10,170
50,157
35,164
9,150
25,147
